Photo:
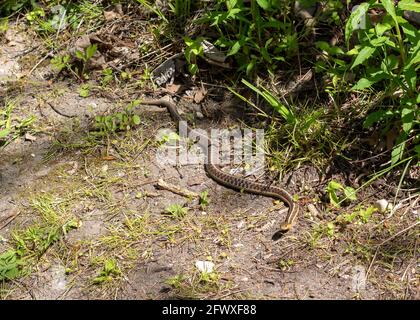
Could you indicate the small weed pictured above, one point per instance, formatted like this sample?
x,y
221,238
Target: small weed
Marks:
x,y
120,121
204,201
84,57
176,281
10,265
108,273
10,127
107,77
333,189
177,211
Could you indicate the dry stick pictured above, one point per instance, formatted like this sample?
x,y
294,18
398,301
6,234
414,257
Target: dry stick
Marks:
x,y
9,219
176,189
39,62
60,112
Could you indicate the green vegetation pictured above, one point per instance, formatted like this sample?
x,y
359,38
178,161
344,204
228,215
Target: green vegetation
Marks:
x,y
334,87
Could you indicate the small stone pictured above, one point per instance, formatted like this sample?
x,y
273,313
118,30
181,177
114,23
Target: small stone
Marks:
x,y
29,137
382,205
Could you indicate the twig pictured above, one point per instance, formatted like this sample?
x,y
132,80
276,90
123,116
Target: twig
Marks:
x,y
9,219
399,233
176,189
60,112
49,54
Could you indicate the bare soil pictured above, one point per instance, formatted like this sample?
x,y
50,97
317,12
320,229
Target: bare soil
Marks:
x,y
109,187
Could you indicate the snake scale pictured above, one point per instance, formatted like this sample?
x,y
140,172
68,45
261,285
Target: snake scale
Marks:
x,y
229,180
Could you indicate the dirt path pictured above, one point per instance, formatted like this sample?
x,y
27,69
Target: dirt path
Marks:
x,y
115,238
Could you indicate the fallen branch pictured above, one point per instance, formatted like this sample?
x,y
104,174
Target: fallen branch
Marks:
x,y
7,220
176,189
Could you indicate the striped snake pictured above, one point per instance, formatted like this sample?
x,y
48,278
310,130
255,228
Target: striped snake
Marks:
x,y
229,180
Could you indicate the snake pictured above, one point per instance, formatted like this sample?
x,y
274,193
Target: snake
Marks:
x,y
228,180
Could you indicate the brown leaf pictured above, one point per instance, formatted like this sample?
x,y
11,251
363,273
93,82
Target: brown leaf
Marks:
x,y
173,88
200,95
111,15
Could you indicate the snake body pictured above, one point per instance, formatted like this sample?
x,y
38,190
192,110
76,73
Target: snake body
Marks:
x,y
229,180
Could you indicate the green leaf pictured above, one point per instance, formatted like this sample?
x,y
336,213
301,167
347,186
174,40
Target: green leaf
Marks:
x,y
378,41
84,91
364,83
390,8
91,50
410,76
193,68
234,49
334,185
410,5
377,116
136,119
250,66
398,151
407,117
381,28
279,107
80,55
363,55
4,133
354,20
350,193
264,4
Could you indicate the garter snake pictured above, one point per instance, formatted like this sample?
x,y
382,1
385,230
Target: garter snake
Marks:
x,y
229,180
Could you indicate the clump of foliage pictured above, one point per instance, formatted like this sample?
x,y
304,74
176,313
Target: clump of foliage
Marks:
x,y
386,58
10,126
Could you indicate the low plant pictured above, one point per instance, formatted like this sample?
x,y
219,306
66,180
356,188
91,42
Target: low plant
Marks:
x,y
109,272
177,211
120,121
339,193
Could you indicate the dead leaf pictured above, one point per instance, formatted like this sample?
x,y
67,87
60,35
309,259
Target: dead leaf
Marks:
x,y
111,15
82,43
29,137
200,95
173,88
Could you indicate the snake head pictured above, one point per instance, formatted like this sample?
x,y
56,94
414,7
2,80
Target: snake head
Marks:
x,y
284,227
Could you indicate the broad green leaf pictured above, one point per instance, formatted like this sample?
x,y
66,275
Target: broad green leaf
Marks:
x,y
91,50
407,118
334,185
410,5
250,66
265,4
410,76
364,83
390,8
390,63
363,55
354,20
234,49
377,116
80,55
193,68
350,193
378,41
410,32
381,28
414,58
398,151
4,133
333,198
